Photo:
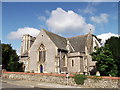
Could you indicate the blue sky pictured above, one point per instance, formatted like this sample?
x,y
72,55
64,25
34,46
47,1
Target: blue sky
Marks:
x,y
66,19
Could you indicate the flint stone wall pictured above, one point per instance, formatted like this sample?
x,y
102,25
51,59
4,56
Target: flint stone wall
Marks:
x,y
61,79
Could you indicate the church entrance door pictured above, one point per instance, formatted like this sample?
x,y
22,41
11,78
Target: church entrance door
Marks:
x,y
41,68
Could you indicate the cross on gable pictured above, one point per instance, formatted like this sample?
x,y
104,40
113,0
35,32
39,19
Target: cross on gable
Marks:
x,y
90,32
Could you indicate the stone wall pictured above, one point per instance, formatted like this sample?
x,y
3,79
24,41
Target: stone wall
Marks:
x,y
90,82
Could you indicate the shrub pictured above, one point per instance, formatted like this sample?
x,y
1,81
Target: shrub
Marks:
x,y
79,79
27,71
32,71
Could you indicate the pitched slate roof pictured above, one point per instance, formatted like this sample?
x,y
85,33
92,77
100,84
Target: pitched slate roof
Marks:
x,y
59,41
78,42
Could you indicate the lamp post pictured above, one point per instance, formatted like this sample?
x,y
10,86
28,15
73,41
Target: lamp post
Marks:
x,y
67,76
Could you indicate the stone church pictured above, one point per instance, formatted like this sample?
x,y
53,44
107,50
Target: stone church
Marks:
x,y
51,53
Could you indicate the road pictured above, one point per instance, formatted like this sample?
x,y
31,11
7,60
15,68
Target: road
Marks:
x,y
8,86
5,84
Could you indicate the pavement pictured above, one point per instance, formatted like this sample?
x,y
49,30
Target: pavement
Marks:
x,y
35,84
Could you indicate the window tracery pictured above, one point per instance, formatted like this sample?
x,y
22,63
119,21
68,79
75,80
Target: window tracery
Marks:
x,y
42,53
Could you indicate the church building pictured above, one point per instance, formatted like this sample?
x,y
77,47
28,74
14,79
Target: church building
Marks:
x,y
51,53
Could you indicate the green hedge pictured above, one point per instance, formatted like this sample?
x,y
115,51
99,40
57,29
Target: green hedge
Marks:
x,y
79,79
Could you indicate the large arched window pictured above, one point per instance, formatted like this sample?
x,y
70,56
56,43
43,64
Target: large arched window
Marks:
x,y
42,54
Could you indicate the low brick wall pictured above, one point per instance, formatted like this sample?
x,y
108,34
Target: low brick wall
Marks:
x,y
90,82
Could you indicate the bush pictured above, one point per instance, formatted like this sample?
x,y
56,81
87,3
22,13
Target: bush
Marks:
x,y
27,71
79,79
32,71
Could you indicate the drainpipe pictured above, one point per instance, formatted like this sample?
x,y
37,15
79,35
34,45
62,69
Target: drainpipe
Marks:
x,y
86,57
60,63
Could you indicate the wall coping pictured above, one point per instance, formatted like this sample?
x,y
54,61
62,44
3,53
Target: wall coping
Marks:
x,y
48,74
64,75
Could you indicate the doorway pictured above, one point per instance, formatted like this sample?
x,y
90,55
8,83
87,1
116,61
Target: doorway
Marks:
x,y
41,68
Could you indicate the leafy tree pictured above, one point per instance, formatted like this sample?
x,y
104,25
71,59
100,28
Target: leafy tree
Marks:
x,y
10,59
105,62
114,45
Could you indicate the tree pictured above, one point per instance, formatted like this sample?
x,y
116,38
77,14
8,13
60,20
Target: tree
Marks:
x,y
105,62
114,45
10,59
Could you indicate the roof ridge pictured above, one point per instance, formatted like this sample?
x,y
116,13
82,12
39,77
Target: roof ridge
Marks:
x,y
64,37
77,36
53,33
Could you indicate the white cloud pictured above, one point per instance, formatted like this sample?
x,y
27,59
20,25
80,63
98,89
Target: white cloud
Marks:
x,y
61,21
42,18
21,31
103,18
47,12
89,10
106,36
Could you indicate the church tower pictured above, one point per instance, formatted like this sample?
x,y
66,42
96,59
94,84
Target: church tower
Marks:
x,y
27,41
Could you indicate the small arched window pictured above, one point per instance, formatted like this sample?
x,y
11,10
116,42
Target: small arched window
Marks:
x,y
72,63
42,54
64,61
